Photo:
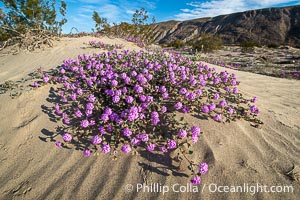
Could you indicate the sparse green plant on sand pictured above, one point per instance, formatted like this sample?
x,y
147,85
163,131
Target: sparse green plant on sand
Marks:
x,y
177,44
248,46
206,43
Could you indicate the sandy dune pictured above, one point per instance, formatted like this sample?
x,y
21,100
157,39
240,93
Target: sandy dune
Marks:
x,y
31,167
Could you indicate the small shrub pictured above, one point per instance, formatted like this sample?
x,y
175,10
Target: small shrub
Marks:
x,y
248,46
102,45
176,44
297,46
207,43
128,102
273,45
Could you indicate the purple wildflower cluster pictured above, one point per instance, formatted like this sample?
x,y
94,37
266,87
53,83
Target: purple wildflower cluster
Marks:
x,y
102,45
122,101
136,40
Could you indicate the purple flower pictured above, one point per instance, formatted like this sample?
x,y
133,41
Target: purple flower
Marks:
x,y
109,128
133,114
127,132
233,82
205,109
88,113
89,106
182,91
150,147
124,90
254,100
84,123
127,80
79,91
123,75
199,92
163,109
194,138
105,148
118,92
216,96
35,84
191,96
87,153
196,180
135,141
108,111
149,99
227,89
143,98
129,99
165,95
116,99
163,149
154,115
126,148
91,98
218,117
203,168
230,110
114,83
202,83
253,108
178,105
102,130
67,137
185,109
223,103
182,134
144,137
78,113
235,90
138,89
58,144
216,81
155,121
212,107
133,73
96,140
73,96
172,144
46,79
162,89
195,130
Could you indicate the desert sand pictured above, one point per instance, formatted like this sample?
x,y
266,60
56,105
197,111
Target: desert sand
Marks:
x,y
31,167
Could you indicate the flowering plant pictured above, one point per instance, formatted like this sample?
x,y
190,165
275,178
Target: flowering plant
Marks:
x,y
102,45
139,42
128,100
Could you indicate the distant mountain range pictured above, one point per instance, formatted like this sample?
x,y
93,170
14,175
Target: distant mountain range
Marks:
x,y
263,26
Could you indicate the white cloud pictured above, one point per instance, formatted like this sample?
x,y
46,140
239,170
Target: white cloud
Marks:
x,y
219,7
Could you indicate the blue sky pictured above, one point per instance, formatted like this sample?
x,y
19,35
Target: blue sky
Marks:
x,y
79,12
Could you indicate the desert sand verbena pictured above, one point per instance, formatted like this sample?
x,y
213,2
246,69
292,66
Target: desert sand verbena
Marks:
x,y
33,168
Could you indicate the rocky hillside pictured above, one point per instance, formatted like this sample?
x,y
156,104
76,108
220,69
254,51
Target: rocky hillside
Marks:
x,y
264,26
